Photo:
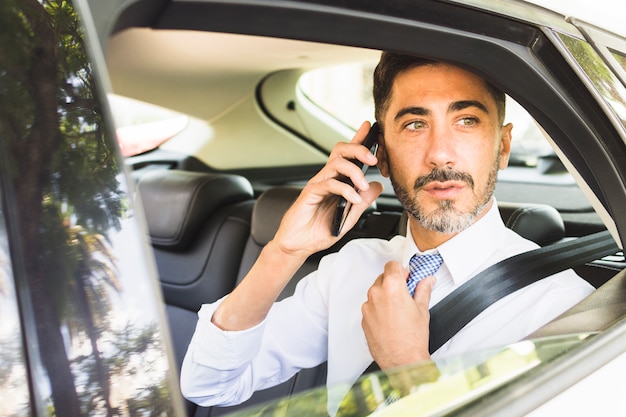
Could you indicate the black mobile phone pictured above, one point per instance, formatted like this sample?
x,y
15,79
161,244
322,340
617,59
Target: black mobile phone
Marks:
x,y
343,206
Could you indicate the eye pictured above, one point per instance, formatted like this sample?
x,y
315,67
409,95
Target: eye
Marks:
x,y
468,121
416,125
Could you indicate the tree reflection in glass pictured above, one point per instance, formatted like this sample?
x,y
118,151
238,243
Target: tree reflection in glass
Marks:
x,y
60,175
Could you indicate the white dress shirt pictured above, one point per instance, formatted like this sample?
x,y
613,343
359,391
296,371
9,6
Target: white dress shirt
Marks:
x,y
322,320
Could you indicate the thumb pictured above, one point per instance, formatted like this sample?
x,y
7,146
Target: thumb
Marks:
x,y
424,290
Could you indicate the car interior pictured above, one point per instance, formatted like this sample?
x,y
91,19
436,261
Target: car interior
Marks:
x,y
215,229
214,193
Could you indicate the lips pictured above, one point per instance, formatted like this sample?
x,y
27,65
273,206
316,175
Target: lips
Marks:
x,y
444,190
441,181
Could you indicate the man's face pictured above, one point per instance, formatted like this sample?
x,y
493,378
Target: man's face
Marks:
x,y
443,146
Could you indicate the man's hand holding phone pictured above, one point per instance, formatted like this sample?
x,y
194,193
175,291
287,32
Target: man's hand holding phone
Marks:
x,y
304,230
311,223
343,206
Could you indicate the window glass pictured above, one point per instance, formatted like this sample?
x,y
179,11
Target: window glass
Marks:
x,y
429,388
603,79
620,58
89,305
141,126
14,395
345,91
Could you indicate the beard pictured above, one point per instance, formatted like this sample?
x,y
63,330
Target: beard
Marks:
x,y
446,217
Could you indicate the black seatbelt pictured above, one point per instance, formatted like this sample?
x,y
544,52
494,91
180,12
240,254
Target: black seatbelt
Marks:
x,y
509,275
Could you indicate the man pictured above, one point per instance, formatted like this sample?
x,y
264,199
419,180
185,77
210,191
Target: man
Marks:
x,y
442,142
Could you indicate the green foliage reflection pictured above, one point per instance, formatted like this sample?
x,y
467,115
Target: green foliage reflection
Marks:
x,y
59,170
424,389
607,84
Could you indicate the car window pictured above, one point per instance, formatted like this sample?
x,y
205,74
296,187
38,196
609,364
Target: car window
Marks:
x,y
621,58
432,388
311,109
535,173
337,98
141,126
89,309
599,75
345,91
13,379
314,110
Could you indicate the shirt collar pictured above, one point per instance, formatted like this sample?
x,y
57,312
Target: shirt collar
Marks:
x,y
468,251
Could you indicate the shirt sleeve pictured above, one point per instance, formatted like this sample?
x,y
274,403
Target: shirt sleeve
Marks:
x,y
215,358
226,367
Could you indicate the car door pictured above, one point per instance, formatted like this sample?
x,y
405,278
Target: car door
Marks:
x,y
82,329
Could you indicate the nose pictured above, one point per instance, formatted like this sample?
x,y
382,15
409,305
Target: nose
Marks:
x,y
440,151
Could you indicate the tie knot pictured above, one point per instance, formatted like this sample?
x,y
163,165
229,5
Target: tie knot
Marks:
x,y
420,267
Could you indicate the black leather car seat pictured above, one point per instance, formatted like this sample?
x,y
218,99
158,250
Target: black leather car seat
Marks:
x,y
540,223
198,225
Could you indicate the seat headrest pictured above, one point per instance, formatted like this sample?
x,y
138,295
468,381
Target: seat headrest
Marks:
x,y
176,203
269,210
540,223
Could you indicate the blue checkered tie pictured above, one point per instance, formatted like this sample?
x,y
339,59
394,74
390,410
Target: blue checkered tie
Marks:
x,y
420,267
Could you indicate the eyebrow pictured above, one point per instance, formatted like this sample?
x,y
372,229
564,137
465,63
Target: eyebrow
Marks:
x,y
455,106
464,104
417,111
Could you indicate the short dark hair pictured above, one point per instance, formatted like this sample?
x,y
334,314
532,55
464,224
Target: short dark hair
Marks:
x,y
393,64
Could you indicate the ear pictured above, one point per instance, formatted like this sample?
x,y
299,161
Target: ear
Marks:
x,y
381,154
505,144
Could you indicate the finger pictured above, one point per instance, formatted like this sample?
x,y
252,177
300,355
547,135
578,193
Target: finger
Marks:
x,y
371,193
347,169
340,165
348,151
334,187
353,150
361,133
377,283
359,194
395,270
424,290
392,271
395,276
358,208
357,139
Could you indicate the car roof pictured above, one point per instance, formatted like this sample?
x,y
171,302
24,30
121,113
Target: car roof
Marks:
x,y
146,40
229,77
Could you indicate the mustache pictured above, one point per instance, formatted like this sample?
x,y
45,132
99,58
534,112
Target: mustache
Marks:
x,y
443,175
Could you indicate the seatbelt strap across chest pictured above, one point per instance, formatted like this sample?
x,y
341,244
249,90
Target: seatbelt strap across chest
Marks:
x,y
509,275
